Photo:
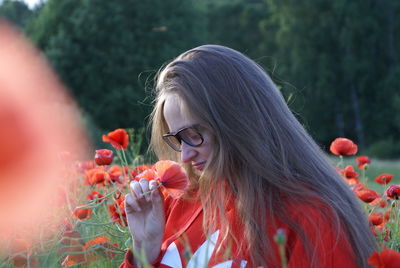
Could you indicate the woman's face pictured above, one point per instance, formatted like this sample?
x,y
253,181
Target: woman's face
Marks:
x,y
177,118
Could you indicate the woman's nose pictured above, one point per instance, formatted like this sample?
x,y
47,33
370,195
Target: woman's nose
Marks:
x,y
188,153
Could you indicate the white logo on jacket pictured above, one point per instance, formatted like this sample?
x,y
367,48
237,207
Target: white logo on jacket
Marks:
x,y
199,259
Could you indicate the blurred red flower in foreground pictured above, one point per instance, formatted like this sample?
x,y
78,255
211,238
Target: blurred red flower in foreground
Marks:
x,y
82,213
362,161
387,258
39,122
383,178
367,195
172,176
393,192
343,146
103,157
118,138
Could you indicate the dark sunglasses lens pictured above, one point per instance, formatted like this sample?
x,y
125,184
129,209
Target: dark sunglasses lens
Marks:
x,y
191,137
173,142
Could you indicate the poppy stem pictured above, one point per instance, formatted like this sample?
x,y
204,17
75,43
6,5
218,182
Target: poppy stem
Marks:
x,y
340,164
363,175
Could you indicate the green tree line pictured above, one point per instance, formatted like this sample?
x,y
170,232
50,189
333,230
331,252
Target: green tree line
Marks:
x,y
336,62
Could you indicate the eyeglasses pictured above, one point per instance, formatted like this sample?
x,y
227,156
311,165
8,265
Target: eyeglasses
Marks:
x,y
190,135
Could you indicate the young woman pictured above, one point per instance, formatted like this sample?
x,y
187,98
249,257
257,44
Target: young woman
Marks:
x,y
253,171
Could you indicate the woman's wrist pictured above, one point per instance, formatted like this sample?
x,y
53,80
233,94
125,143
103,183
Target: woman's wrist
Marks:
x,y
146,251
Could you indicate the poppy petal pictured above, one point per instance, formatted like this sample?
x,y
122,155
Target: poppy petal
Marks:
x,y
172,176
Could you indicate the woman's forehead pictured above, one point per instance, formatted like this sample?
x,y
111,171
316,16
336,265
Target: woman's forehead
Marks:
x,y
176,113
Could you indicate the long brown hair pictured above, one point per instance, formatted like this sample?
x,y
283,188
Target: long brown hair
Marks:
x,y
261,152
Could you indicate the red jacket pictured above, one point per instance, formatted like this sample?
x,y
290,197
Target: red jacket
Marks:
x,y
183,234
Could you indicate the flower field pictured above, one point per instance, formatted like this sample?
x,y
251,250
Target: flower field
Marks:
x,y
94,231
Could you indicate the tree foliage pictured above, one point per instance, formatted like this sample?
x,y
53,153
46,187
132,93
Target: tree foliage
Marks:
x,y
17,12
341,56
107,51
336,62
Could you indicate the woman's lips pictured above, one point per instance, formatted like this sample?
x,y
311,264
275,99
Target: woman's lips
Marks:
x,y
199,165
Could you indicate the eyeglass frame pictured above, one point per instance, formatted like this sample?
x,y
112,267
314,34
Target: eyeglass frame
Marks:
x,y
179,139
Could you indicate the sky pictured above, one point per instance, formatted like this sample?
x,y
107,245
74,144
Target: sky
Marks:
x,y
31,3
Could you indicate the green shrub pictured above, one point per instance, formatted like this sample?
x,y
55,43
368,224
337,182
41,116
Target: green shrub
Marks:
x,y
384,149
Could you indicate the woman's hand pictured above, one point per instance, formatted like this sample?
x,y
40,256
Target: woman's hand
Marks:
x,y
146,219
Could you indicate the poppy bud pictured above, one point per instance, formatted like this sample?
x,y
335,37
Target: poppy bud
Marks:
x,y
280,237
103,157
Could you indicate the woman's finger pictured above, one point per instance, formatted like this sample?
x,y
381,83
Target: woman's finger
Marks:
x,y
153,185
155,193
136,190
131,204
145,189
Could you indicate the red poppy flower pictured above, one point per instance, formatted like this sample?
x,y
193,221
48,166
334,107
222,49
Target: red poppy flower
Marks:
x,y
139,169
383,203
117,211
149,174
383,178
20,249
118,138
103,157
22,261
82,213
387,258
380,202
102,245
95,196
85,165
172,176
343,146
72,249
367,195
362,161
97,241
382,231
386,216
375,218
118,174
358,187
97,176
393,192
349,172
